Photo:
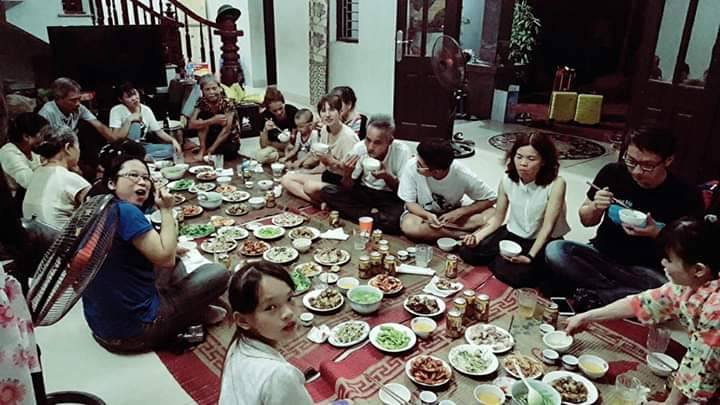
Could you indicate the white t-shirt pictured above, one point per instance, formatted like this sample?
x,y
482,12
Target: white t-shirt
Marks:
x,y
57,119
120,113
527,204
340,144
256,374
17,167
396,158
441,196
51,195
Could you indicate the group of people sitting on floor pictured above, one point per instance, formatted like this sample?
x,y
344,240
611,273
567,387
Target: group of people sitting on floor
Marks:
x,y
142,296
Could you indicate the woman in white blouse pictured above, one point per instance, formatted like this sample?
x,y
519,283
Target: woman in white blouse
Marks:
x,y
16,157
255,373
535,196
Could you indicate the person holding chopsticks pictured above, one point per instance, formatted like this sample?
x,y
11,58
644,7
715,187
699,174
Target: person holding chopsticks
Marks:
x,y
624,259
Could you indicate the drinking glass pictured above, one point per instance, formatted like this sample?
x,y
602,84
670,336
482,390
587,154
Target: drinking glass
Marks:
x,y
423,255
218,161
526,299
360,239
657,340
178,157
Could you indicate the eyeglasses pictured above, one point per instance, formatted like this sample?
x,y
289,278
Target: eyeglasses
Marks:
x,y
135,177
631,164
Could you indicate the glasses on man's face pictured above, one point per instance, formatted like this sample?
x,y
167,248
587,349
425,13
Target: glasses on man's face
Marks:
x,y
135,177
645,167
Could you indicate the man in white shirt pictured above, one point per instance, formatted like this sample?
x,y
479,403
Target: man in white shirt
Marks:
x,y
433,186
134,120
372,193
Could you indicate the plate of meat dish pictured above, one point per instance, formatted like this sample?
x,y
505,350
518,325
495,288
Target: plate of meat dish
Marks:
x,y
496,337
424,305
428,371
387,284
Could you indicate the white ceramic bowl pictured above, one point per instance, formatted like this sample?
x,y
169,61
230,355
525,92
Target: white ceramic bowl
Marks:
x,y
256,202
550,356
283,136
593,366
161,164
371,164
402,255
365,307
224,180
519,392
277,168
320,147
546,328
302,245
632,217
447,244
558,341
330,278
175,172
397,389
209,200
570,362
422,321
509,248
488,390
345,284
657,367
265,184
306,318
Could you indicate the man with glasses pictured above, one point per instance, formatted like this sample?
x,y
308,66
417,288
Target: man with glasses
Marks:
x,y
622,259
433,187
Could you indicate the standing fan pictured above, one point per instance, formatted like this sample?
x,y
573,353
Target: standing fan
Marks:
x,y
448,63
69,265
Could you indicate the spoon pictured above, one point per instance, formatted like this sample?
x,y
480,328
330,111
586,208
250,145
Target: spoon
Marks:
x,y
534,397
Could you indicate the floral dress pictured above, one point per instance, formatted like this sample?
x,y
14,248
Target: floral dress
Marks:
x,y
699,311
207,110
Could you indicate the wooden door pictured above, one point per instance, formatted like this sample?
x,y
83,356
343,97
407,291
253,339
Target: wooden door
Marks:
x,y
676,83
422,107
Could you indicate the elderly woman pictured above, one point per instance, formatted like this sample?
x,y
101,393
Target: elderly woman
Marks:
x,y
140,298
215,119
16,157
279,116
56,189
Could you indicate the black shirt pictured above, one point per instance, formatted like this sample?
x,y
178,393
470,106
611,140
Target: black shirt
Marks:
x,y
671,200
287,123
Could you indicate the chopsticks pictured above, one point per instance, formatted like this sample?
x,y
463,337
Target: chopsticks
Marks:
x,y
615,200
390,392
661,361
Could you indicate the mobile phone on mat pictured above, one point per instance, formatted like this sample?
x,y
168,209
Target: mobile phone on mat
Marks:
x,y
564,307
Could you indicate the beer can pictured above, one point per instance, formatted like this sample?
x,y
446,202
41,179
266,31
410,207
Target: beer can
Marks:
x,y
551,314
364,269
270,199
451,266
390,265
454,327
334,218
376,263
384,251
482,308
469,296
377,236
459,304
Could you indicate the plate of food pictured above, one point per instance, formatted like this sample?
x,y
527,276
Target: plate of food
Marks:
x,y
237,210
447,286
307,232
332,256
301,281
180,185
235,196
179,199
424,305
349,333
280,254
202,187
496,337
387,284
225,188
473,360
156,216
326,300
201,169
269,232
206,176
309,269
531,367
288,220
392,337
428,371
218,245
573,388
219,221
233,232
191,210
196,230
253,248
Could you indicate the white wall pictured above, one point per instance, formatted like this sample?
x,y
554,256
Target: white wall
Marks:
x,y
34,16
367,66
293,49
471,25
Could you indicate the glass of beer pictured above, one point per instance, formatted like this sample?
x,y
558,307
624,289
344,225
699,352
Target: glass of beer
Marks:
x,y
526,299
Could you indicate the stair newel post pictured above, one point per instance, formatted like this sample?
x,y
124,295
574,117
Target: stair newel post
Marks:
x,y
212,48
227,29
125,11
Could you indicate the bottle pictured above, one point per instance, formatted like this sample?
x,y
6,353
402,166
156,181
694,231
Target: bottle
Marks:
x,y
451,270
482,308
454,324
166,123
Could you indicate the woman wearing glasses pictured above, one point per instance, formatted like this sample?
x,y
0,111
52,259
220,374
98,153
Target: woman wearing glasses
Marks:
x,y
141,297
622,259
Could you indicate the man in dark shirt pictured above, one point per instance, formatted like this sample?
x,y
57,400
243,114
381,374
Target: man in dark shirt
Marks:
x,y
621,259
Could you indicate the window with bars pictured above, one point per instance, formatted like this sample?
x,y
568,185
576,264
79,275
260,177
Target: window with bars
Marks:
x,y
72,6
348,12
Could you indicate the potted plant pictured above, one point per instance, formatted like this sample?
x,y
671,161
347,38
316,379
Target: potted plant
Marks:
x,y
523,37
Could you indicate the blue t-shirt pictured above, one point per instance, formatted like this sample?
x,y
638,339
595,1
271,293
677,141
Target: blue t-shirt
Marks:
x,y
123,295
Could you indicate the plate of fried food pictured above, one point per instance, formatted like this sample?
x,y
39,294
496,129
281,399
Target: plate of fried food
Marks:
x,y
288,220
348,333
220,221
573,388
446,286
206,176
424,305
233,232
387,284
179,199
307,232
280,254
191,210
253,248
218,245
225,188
201,169
235,196
428,371
530,367
309,269
202,187
392,337
332,256
496,337
473,360
326,300
237,210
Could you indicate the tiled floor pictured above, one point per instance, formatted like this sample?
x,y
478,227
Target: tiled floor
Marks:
x,y
73,361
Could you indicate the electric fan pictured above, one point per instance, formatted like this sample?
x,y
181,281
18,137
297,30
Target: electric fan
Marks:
x,y
448,63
